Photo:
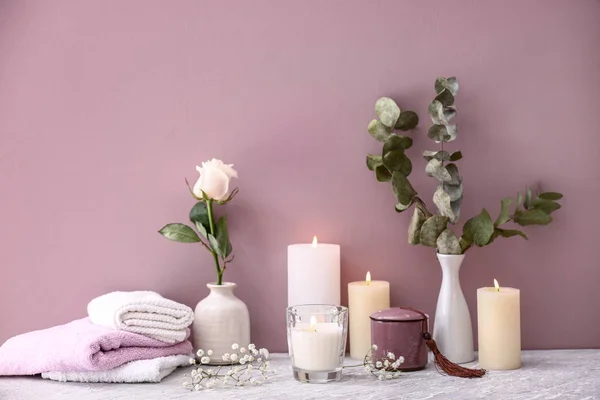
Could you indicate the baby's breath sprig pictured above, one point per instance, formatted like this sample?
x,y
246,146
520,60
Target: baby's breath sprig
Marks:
x,y
246,366
384,368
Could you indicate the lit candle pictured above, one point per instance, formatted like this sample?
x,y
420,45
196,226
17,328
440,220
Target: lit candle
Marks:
x,y
499,326
314,273
316,346
365,298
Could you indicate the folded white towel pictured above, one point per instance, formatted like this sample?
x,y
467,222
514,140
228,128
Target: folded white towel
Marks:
x,y
153,370
146,313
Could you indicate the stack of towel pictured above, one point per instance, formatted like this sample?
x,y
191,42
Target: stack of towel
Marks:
x,y
127,337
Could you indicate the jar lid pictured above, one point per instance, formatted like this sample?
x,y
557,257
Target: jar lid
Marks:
x,y
398,314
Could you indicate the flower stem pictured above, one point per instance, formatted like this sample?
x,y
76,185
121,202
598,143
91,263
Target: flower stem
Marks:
x,y
211,223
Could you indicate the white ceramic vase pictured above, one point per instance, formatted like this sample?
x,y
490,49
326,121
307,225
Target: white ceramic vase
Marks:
x,y
452,329
220,320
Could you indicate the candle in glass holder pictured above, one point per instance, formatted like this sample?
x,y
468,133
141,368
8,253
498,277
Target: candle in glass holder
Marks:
x,y
499,326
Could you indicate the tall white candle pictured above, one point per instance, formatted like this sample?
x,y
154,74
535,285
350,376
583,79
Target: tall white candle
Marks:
x,y
316,346
313,274
365,298
499,326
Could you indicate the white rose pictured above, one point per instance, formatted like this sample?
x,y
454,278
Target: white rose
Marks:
x,y
214,179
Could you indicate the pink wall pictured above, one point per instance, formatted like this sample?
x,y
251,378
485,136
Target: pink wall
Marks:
x,y
105,106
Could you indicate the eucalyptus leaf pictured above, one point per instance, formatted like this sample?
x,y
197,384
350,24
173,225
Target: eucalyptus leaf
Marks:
x,y
382,174
534,216
431,229
457,155
504,216
519,201
550,196
442,201
455,205
408,120
507,233
527,203
403,189
387,110
399,207
450,83
436,169
447,243
464,244
373,161
414,228
454,191
442,133
396,160
455,179
379,131
179,233
479,229
440,114
438,155
547,206
396,142
445,97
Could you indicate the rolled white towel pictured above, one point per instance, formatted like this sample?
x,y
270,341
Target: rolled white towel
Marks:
x,y
143,312
153,370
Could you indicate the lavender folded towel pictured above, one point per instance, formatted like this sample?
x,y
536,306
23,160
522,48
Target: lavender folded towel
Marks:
x,y
80,346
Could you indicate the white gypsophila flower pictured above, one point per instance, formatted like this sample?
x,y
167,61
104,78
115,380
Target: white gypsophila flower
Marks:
x,y
254,352
243,360
251,347
374,347
211,384
197,387
386,363
226,357
242,350
214,179
367,368
378,364
200,353
401,359
395,364
194,372
192,361
199,371
233,357
230,372
235,346
265,353
205,360
209,352
259,359
391,355
380,377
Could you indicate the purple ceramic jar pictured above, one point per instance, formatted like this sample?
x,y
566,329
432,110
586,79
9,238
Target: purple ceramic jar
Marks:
x,y
400,331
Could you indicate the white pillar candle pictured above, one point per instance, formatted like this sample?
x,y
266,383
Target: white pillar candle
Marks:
x,y
499,326
365,298
316,346
314,274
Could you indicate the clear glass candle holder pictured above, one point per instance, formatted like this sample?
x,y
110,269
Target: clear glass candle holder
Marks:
x,y
317,341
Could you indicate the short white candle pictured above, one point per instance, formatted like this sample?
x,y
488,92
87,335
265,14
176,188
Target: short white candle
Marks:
x,y
316,346
314,273
499,326
365,298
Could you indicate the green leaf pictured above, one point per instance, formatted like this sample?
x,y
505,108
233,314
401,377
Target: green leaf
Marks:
x,y
373,161
532,217
382,174
527,203
519,201
214,245
464,244
457,155
507,233
447,243
396,142
199,213
414,228
550,196
396,160
408,120
379,131
546,206
387,110
402,207
479,229
454,191
450,83
431,229
504,212
222,236
437,170
203,231
455,179
403,189
442,200
439,114
445,97
179,233
442,133
438,155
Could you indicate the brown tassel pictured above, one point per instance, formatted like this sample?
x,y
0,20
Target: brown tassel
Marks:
x,y
447,366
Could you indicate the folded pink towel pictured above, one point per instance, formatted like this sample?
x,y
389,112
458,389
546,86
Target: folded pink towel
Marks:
x,y
80,346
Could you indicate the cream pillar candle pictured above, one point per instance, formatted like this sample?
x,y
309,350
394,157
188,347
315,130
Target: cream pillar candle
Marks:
x,y
365,298
314,273
499,323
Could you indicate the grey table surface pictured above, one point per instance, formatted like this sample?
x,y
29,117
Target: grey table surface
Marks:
x,y
547,374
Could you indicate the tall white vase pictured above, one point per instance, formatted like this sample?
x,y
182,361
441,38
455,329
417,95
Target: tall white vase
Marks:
x,y
452,329
221,319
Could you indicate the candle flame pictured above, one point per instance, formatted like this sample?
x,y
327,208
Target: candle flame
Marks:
x,y
496,285
313,323
368,278
314,242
